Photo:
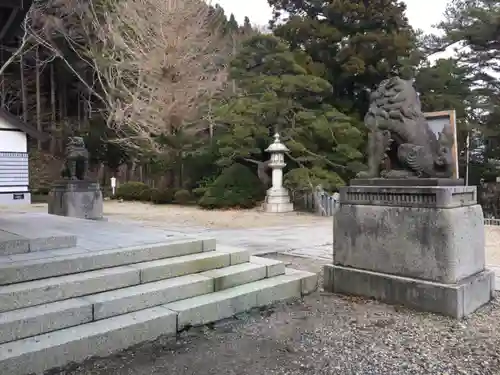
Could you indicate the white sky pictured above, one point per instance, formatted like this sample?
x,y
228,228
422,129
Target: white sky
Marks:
x,y
421,13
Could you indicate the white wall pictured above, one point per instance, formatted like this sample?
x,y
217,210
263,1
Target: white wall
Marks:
x,y
14,176
12,141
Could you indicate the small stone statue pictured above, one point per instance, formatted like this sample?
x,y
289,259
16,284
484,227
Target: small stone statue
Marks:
x,y
77,158
401,143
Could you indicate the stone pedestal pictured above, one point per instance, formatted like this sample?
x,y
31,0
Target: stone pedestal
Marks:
x,y
420,246
277,200
76,198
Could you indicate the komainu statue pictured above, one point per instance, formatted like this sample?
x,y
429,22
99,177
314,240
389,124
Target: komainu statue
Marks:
x,y
401,143
77,158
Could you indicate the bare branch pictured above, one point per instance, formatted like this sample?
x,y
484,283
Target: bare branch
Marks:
x,y
155,62
152,62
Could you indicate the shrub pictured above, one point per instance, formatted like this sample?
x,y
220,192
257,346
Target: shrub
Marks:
x,y
162,196
203,186
182,196
107,192
153,193
145,195
199,192
131,191
236,186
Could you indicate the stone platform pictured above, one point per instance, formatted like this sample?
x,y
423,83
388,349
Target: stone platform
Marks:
x,y
121,285
24,234
76,198
277,201
421,246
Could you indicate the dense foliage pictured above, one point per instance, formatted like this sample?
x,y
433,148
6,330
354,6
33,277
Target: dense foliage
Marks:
x,y
278,93
353,44
471,28
237,186
133,191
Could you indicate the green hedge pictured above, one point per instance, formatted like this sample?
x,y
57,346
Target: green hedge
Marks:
x,y
162,196
138,191
237,186
182,196
132,191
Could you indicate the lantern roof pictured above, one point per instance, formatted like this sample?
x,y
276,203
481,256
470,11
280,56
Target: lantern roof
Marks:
x,y
277,146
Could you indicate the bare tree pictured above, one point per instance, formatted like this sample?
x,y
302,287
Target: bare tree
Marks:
x,y
156,61
153,61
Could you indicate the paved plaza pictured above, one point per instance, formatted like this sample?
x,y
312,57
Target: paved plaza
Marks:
x,y
313,241
311,237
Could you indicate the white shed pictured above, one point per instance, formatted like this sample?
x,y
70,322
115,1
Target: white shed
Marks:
x,y
14,168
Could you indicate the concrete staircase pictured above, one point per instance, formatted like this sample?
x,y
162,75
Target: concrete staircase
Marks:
x,y
64,306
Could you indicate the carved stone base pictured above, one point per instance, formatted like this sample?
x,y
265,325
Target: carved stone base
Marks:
x,y
277,200
406,182
81,199
432,233
456,300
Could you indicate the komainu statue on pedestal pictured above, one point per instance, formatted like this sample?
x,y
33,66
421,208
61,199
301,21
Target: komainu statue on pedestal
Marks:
x,y
401,143
77,159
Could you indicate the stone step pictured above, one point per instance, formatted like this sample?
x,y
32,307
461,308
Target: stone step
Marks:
x,y
12,243
37,354
19,269
103,337
226,303
228,277
38,292
122,301
273,267
30,321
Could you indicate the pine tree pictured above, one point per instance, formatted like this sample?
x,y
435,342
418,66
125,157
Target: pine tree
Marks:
x,y
356,44
247,28
278,93
232,24
474,26
446,85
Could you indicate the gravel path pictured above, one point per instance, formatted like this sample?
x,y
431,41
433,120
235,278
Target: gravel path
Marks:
x,y
322,334
192,216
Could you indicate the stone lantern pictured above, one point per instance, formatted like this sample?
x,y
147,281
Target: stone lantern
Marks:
x,y
277,197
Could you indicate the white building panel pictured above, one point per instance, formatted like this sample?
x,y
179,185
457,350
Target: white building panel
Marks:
x,y
14,166
11,139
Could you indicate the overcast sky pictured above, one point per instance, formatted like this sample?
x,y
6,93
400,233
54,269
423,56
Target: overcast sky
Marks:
x,y
421,13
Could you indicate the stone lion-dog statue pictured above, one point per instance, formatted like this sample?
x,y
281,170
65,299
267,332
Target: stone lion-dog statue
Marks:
x,y
77,158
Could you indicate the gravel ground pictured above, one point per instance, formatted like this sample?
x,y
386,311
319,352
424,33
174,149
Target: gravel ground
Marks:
x,y
192,215
321,334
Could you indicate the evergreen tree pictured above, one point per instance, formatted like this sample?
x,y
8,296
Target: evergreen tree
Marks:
x,y
232,24
446,85
247,26
277,93
356,44
474,27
